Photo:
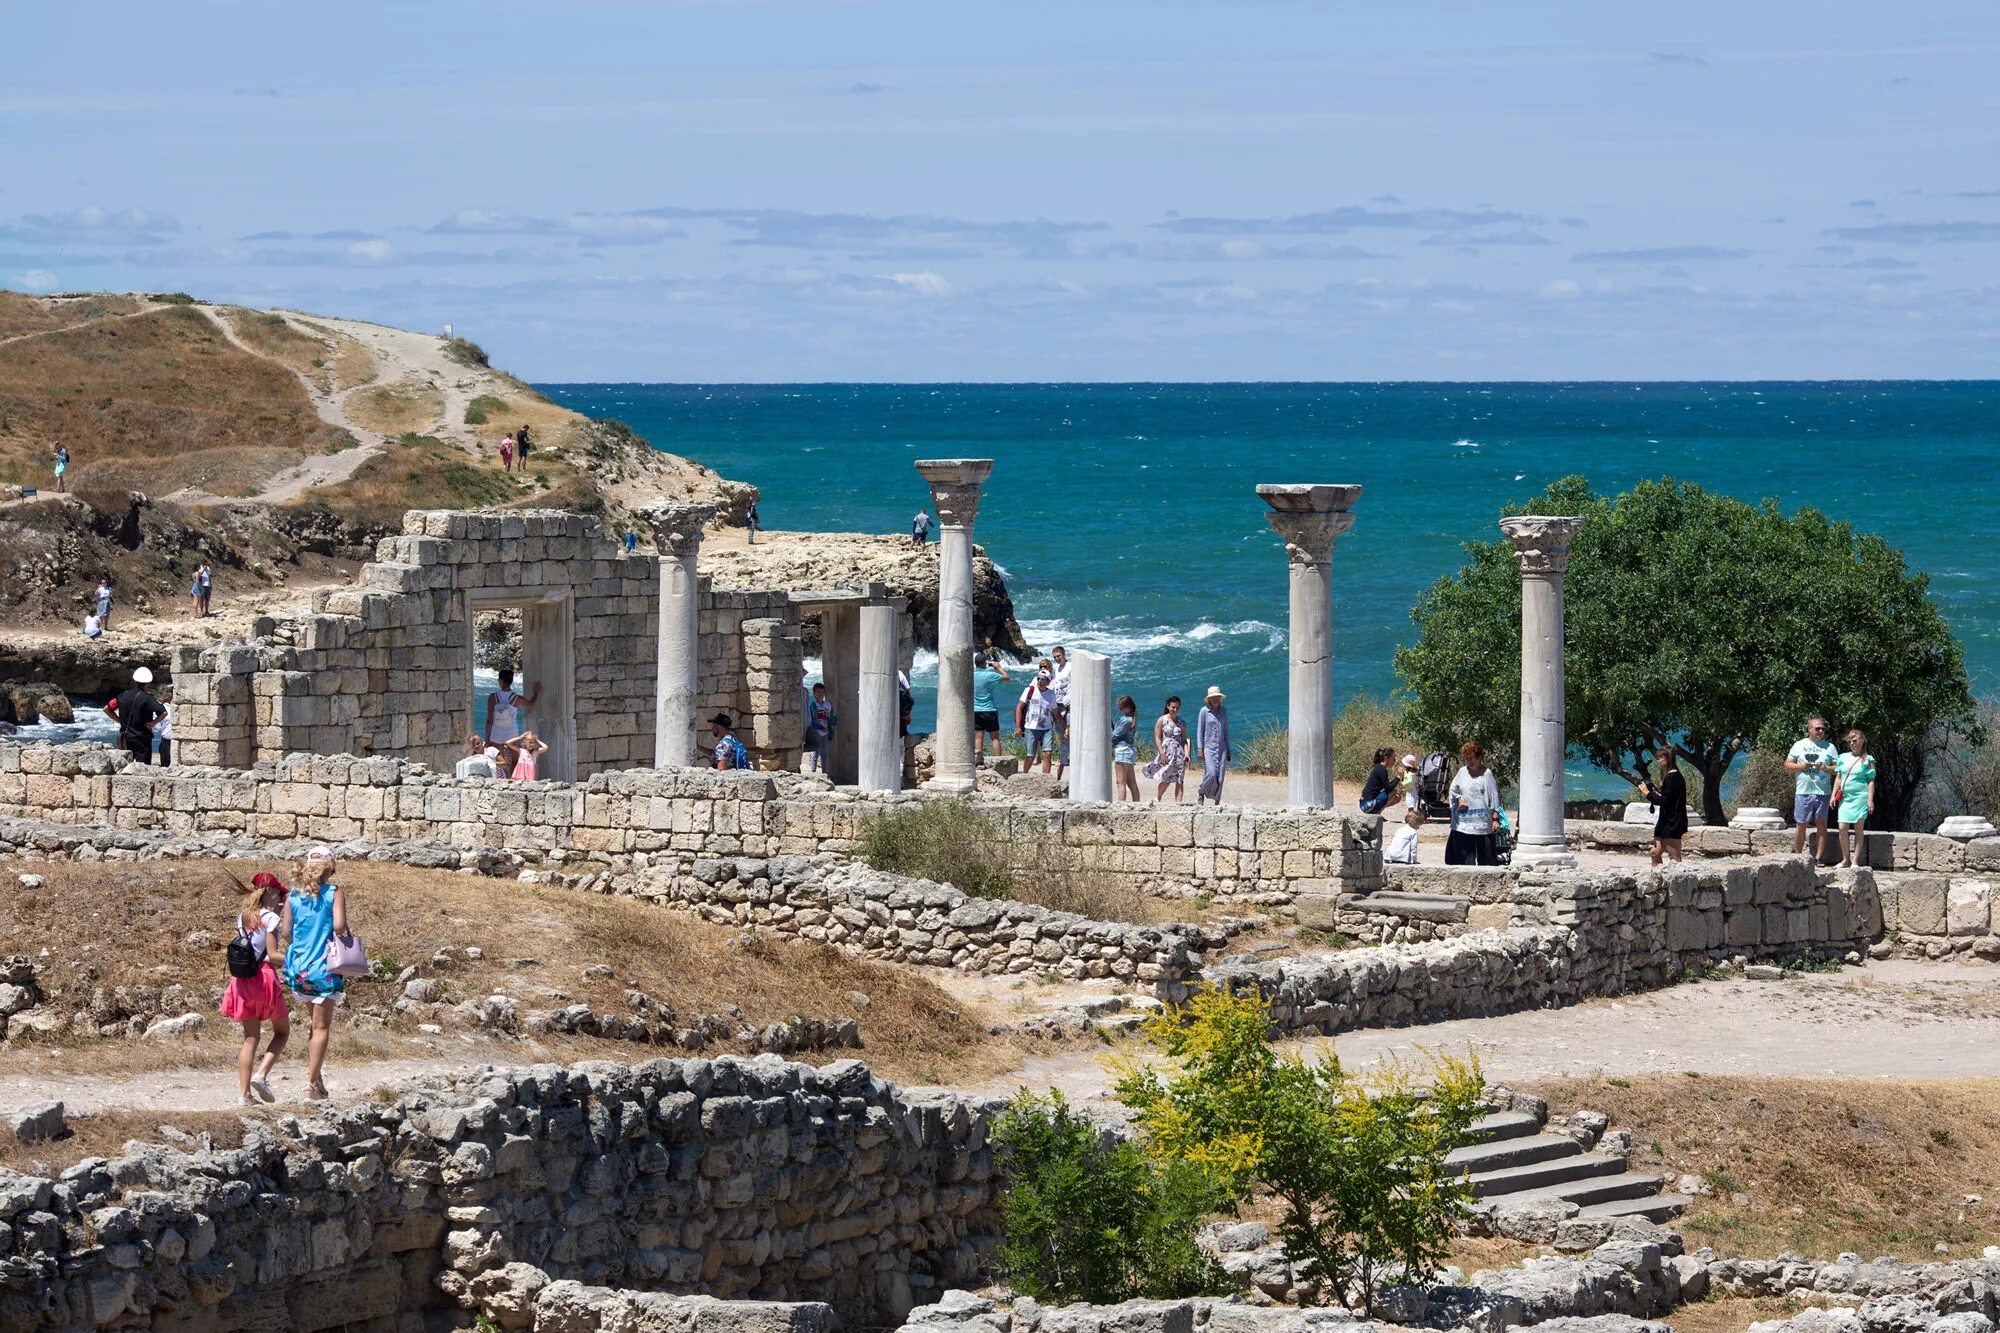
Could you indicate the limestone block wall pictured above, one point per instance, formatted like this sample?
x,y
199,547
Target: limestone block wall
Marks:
x,y
623,818
384,668
1575,936
916,921
1936,916
756,1179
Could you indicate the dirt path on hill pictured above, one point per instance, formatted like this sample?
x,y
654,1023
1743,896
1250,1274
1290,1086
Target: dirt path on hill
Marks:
x,y
1894,1019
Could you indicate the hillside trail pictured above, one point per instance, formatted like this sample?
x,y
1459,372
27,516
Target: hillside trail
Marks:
x,y
86,324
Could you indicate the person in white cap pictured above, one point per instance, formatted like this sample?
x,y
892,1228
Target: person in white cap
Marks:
x,y
136,710
1211,742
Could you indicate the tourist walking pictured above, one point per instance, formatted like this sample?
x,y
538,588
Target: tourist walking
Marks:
x,y
750,521
1035,716
1813,759
1380,788
729,752
1670,801
521,445
1125,751
820,720
163,728
104,603
1854,795
987,673
920,528
194,595
315,912
1211,741
62,467
478,761
254,997
207,580
1170,754
528,752
1475,811
1059,676
506,453
136,710
503,708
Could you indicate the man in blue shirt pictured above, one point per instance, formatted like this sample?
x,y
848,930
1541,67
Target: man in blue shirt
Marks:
x,y
1813,759
986,673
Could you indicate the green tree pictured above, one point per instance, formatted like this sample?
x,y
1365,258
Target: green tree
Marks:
x,y
1089,1217
1356,1165
1700,621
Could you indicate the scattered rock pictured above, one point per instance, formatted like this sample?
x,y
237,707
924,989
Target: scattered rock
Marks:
x,y
167,1028
1764,972
36,1123
32,882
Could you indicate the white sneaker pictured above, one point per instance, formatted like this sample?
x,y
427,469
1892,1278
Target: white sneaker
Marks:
x,y
262,1087
248,1101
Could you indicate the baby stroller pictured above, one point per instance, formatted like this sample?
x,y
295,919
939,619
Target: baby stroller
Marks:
x,y
1503,841
1434,785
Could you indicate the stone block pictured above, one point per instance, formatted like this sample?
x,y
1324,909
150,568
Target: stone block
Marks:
x,y
1920,905
1968,907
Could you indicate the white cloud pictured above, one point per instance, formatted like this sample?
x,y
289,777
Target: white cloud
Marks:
x,y
38,280
924,284
372,252
1562,289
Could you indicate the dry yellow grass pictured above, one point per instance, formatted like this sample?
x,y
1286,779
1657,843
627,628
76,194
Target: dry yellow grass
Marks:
x,y
141,401
408,405
1826,1165
422,473
24,314
125,925
353,364
284,342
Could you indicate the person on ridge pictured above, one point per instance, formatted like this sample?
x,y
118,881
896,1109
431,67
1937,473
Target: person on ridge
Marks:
x,y
1211,742
104,603
136,710
62,466
1814,760
920,528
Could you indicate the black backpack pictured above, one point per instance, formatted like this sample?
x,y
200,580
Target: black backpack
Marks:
x,y
243,959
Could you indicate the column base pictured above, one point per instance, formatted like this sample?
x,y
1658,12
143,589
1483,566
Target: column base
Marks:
x,y
1557,857
952,786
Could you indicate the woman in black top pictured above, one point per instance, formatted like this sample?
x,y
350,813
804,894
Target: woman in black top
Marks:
x,y
1670,799
1380,789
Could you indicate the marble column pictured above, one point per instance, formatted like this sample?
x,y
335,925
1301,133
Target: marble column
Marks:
x,y
677,532
1089,726
880,714
955,485
1309,518
1541,548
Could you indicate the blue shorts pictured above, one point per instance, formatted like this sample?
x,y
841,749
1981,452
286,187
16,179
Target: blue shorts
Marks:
x,y
1810,808
1038,741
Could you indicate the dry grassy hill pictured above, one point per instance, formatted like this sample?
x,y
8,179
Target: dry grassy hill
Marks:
x,y
272,444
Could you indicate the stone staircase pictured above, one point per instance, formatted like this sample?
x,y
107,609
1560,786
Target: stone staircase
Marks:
x,y
1513,1158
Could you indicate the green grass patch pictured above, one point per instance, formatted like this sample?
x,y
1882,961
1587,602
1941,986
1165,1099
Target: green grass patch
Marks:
x,y
483,409
466,352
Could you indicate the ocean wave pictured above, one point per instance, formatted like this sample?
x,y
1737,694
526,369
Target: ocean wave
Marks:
x,y
1118,641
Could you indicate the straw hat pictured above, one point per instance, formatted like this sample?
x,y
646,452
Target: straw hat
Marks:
x,y
1214,692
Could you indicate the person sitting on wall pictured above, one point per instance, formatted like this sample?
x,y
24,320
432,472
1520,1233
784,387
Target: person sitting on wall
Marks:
x,y
729,752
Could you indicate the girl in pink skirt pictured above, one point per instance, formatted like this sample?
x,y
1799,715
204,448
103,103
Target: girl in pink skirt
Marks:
x,y
254,1001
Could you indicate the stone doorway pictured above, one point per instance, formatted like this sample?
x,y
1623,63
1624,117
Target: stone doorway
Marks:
x,y
547,662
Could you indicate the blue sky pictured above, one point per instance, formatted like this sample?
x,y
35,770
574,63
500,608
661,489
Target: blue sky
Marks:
x,y
1094,190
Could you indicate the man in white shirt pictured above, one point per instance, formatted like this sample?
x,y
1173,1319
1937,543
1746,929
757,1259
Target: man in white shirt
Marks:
x,y
1059,690
1035,717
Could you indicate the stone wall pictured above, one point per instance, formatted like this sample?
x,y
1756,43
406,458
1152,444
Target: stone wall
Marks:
x,y
1879,851
755,1179
622,819
915,921
1576,936
1936,916
384,668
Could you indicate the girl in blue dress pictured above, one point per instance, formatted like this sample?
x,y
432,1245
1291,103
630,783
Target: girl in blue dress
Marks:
x,y
315,911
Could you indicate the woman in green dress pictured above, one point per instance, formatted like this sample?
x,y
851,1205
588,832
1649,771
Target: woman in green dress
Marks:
x,y
1853,794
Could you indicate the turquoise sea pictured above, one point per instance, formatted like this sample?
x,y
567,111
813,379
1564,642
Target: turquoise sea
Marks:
x,y
1125,517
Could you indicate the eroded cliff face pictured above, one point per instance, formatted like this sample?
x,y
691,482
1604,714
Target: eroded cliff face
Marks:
x,y
806,560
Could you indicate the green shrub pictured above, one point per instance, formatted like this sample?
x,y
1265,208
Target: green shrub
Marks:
x,y
1361,728
1088,1219
1265,751
465,351
1355,1164
943,840
483,409
174,298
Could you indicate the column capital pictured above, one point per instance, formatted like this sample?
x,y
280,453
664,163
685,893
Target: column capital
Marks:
x,y
1541,541
1309,517
677,528
955,487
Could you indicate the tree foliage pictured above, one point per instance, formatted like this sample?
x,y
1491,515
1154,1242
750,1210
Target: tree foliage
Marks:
x,y
1355,1165
1092,1219
1697,620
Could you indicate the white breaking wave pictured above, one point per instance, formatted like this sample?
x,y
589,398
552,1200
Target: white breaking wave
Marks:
x,y
1115,642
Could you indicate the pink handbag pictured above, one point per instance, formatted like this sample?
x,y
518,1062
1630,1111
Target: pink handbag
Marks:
x,y
345,957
